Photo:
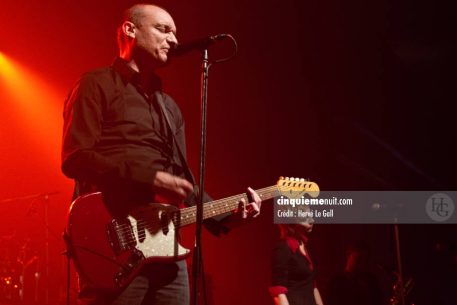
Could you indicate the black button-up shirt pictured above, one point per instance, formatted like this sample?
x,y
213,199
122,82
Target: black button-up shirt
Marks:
x,y
115,136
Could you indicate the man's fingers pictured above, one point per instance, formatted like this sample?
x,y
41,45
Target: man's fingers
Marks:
x,y
185,185
255,196
257,202
182,187
171,188
244,211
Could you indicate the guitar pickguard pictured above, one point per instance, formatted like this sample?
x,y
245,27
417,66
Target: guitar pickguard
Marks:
x,y
155,232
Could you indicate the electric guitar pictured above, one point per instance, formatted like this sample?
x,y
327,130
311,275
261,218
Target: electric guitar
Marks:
x,y
109,252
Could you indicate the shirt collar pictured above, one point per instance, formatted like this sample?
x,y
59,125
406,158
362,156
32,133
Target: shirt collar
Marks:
x,y
129,75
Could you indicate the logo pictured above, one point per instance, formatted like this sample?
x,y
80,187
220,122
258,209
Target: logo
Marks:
x,y
439,207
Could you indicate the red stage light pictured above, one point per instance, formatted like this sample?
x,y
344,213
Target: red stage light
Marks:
x,y
34,104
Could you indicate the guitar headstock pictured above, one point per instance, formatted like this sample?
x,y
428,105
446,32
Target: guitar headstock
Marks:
x,y
297,187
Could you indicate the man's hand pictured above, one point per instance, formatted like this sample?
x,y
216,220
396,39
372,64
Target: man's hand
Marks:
x,y
251,209
170,189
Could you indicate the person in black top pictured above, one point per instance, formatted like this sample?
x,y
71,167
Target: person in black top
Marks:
x,y
293,271
117,140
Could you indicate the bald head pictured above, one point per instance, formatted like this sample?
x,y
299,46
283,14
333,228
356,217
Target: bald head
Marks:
x,y
136,14
147,32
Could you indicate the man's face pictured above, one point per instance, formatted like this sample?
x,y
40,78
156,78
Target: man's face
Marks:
x,y
155,34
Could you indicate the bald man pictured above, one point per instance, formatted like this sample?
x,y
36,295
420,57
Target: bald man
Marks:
x,y
117,140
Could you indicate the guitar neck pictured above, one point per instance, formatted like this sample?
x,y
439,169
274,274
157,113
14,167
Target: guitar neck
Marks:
x,y
222,206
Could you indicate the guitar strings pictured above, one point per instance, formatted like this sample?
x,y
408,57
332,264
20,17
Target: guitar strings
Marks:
x,y
187,217
188,214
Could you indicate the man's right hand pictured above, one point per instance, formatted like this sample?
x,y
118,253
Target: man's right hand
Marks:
x,y
170,189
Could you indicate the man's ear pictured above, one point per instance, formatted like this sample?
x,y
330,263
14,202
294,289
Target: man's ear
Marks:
x,y
129,29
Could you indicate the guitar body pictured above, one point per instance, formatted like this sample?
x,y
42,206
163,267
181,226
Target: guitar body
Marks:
x,y
109,252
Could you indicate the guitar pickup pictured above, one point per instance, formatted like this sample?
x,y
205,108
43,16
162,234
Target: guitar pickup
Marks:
x,y
120,235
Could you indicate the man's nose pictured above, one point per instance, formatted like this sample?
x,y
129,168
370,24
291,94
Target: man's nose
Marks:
x,y
172,40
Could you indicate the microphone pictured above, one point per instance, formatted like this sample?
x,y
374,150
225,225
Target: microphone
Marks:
x,y
197,44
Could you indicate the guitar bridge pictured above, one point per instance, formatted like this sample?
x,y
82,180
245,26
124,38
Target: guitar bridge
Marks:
x,y
126,270
120,235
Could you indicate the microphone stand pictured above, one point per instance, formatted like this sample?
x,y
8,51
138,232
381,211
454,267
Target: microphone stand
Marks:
x,y
197,258
399,265
34,198
45,199
46,255
197,262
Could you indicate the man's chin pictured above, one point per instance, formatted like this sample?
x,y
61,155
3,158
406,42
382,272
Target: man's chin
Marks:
x,y
160,59
164,59
152,60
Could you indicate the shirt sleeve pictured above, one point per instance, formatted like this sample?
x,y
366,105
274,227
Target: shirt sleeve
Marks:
x,y
83,118
279,271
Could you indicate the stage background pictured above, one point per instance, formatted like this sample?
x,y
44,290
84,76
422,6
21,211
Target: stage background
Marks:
x,y
352,95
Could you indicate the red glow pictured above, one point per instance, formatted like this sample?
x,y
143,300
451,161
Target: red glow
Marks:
x,y
35,105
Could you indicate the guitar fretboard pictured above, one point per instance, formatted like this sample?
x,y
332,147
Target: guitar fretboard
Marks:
x,y
225,205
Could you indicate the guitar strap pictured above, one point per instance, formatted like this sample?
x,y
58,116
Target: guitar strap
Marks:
x,y
176,147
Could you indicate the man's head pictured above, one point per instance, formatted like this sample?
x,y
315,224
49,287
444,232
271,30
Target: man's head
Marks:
x,y
147,32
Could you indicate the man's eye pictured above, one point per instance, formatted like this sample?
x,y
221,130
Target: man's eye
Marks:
x,y
163,29
160,28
